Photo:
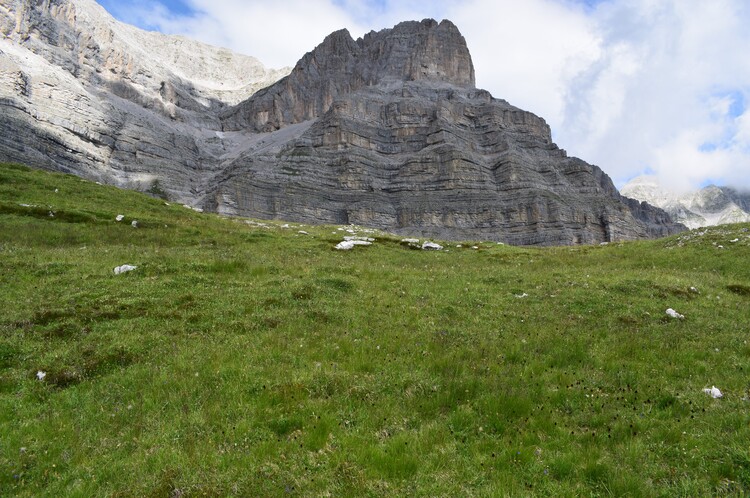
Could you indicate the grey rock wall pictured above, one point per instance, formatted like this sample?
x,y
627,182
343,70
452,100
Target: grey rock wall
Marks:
x,y
386,131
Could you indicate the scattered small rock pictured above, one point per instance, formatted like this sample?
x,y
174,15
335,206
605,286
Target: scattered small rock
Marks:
x,y
522,296
694,290
714,392
302,232
134,223
124,269
431,246
40,375
119,217
674,314
735,240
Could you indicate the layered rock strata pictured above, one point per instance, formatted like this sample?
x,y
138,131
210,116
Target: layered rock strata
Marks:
x,y
386,131
85,94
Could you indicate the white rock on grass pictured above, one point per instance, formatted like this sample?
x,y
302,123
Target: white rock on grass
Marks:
x,y
674,314
431,246
522,296
124,269
134,223
119,217
41,375
713,392
359,237
410,241
348,245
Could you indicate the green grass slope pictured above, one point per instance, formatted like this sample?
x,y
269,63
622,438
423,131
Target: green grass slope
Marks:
x,y
248,359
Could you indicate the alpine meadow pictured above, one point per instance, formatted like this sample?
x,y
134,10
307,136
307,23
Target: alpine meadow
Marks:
x,y
244,357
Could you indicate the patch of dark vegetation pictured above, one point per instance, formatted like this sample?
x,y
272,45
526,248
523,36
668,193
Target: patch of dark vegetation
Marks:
x,y
285,425
89,362
256,236
740,290
46,213
227,266
304,293
629,320
337,284
8,354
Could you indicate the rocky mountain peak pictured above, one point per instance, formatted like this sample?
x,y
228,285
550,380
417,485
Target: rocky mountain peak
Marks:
x,y
708,206
411,51
386,131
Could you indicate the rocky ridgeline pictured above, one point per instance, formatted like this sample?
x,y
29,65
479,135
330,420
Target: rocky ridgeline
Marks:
x,y
709,206
386,131
85,94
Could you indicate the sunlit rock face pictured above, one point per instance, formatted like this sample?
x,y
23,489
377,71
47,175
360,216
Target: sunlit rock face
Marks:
x,y
386,131
708,206
85,94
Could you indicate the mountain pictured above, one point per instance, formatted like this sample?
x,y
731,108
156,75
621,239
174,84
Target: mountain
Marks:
x,y
83,93
386,131
708,206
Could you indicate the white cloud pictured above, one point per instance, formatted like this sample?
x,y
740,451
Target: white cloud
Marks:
x,y
629,85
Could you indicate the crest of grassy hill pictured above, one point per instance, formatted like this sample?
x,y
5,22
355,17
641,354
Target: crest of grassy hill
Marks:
x,y
248,359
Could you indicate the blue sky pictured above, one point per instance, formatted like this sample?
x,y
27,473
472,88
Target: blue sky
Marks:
x,y
633,86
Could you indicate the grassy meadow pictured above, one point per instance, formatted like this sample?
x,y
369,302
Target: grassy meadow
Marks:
x,y
244,358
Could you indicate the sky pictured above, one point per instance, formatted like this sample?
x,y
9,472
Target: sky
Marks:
x,y
659,87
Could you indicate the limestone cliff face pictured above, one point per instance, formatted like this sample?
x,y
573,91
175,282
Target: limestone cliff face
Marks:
x,y
85,94
386,130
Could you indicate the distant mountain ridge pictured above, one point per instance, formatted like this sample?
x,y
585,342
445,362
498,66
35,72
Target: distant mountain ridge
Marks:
x,y
708,206
386,131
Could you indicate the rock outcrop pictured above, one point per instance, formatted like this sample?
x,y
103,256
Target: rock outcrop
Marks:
x,y
386,131
85,94
708,206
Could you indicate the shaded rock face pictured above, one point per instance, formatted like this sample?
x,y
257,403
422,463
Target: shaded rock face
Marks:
x,y
386,131
436,160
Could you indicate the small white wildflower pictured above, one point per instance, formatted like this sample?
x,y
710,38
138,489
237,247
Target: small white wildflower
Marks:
x,y
41,375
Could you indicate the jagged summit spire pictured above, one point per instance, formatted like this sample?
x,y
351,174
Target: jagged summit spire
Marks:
x,y
410,51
